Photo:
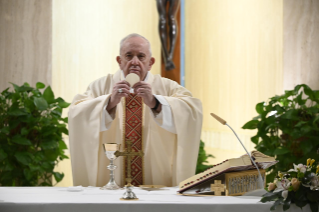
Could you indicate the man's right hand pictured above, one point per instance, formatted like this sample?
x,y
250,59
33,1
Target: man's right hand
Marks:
x,y
116,95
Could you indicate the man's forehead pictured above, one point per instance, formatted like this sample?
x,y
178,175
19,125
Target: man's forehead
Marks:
x,y
135,43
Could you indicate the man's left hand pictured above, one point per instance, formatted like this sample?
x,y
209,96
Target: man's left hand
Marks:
x,y
144,90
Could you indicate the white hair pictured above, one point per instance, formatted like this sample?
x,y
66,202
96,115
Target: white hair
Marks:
x,y
132,36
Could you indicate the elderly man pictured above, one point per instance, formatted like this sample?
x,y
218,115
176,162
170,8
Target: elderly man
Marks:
x,y
160,117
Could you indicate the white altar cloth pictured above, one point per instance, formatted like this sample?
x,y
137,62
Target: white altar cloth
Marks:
x,y
53,199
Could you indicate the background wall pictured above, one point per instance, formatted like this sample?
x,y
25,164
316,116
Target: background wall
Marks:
x,y
25,42
301,43
233,61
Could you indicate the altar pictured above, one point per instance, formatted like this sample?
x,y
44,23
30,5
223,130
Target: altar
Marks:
x,y
52,199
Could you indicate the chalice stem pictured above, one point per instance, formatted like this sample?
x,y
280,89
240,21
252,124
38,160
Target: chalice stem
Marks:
x,y
111,167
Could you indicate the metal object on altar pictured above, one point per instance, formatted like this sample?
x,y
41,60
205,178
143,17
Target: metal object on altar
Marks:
x,y
109,150
130,154
129,194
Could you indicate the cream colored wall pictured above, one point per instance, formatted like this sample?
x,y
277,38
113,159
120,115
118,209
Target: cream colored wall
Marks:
x,y
233,61
86,36
301,43
25,42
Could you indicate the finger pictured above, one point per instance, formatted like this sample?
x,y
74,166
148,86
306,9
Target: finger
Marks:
x,y
140,84
123,90
123,86
120,95
123,82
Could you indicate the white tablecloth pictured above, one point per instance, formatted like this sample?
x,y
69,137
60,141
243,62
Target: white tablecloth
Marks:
x,y
37,199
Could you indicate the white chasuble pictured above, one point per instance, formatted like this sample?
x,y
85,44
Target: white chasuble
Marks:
x,y
169,157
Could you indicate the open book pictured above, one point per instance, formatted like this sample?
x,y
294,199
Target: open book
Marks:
x,y
231,165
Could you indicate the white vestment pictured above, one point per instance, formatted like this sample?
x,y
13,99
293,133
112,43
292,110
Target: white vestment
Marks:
x,y
169,158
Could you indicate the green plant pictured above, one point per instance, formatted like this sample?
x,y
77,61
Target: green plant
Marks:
x,y
287,128
202,158
31,142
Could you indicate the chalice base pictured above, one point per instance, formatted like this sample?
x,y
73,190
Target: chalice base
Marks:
x,y
110,186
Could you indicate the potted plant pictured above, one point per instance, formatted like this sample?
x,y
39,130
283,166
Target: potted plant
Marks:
x,y
31,141
287,128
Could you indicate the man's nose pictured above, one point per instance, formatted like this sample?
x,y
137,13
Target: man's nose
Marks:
x,y
135,60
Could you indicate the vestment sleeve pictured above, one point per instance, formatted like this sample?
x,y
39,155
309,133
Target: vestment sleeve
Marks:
x,y
187,116
84,128
164,119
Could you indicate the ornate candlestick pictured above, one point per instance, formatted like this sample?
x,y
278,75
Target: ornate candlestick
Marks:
x,y
110,149
129,153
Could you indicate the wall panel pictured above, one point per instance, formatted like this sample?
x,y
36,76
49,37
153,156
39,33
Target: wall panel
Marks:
x,y
25,42
301,43
233,61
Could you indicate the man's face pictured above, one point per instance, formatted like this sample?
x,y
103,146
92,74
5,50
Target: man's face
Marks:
x,y
135,57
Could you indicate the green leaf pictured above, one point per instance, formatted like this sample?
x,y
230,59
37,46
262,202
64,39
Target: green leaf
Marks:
x,y
5,130
25,87
49,144
313,196
316,119
255,139
299,99
48,95
5,92
40,103
300,123
296,89
64,104
58,176
64,130
308,92
21,140
281,151
291,114
8,167
62,145
269,196
251,125
34,168
287,202
28,174
16,87
57,112
24,131
65,120
279,109
47,165
306,146
23,157
17,112
301,204
278,202
260,107
40,85
3,155
313,206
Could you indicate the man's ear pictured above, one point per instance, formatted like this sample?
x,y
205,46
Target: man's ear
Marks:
x,y
118,59
152,61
